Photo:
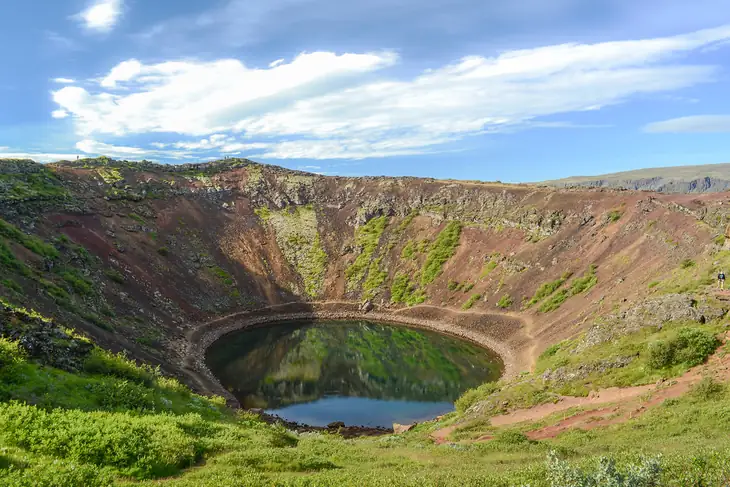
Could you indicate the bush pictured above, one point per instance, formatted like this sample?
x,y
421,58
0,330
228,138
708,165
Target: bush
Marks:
x,y
443,248
547,288
505,302
690,346
687,263
453,285
115,394
471,301
472,396
115,276
708,389
101,362
137,446
163,251
645,474
554,302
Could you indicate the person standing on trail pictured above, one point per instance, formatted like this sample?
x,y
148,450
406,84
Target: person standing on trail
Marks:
x,y
721,280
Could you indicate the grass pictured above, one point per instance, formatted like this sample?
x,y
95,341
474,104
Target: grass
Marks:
x,y
615,215
471,301
115,422
443,248
115,276
403,290
367,238
546,289
504,302
30,242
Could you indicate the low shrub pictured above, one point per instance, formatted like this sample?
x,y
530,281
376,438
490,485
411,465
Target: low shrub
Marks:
x,y
690,346
504,302
101,362
471,301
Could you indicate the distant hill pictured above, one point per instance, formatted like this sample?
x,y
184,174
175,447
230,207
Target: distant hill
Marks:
x,y
710,178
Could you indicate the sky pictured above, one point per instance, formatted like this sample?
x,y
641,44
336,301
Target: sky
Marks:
x,y
517,91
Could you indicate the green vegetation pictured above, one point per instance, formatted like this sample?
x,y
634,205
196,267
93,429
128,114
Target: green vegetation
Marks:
x,y
163,251
264,213
115,276
30,242
504,302
615,215
687,347
409,251
36,183
489,266
298,238
221,274
137,218
405,291
584,283
376,278
443,248
547,288
720,240
554,301
367,238
471,301
687,263
77,281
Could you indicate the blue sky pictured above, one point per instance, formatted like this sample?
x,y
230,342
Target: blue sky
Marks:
x,y
524,90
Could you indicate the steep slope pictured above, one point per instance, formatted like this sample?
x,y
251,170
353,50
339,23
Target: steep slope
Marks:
x,y
138,254
586,294
710,178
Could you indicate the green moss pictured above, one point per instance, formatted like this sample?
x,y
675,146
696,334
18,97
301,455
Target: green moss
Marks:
x,y
504,302
471,301
443,248
299,241
409,251
221,274
367,238
405,291
376,278
137,218
489,266
584,283
615,215
38,184
264,213
554,301
546,289
30,242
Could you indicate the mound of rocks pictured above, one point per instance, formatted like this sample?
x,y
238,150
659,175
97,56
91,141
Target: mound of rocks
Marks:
x,y
652,312
43,340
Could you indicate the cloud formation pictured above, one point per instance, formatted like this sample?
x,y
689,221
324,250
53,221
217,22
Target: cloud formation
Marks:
x,y
64,81
101,15
322,105
695,124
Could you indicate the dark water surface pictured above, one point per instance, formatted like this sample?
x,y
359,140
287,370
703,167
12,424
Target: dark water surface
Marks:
x,y
358,372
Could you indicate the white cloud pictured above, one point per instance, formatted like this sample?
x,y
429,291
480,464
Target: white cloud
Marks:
x,y
64,81
59,113
36,156
328,106
124,71
101,15
692,124
276,63
195,98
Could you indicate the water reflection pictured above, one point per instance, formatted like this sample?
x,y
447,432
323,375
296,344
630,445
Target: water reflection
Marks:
x,y
358,372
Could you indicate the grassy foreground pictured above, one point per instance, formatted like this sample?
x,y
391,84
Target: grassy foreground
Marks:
x,y
112,422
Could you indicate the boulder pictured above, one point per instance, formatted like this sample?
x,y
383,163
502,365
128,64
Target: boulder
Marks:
x,y
402,428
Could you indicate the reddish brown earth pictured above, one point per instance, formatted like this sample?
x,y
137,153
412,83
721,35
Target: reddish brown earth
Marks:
x,y
616,405
203,215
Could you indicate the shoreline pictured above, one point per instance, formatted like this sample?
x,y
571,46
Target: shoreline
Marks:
x,y
204,335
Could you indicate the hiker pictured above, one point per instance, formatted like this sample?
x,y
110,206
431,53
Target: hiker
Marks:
x,y
721,280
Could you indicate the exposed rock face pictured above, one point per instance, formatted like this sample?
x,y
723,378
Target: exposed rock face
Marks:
x,y
567,374
402,428
651,312
43,340
144,253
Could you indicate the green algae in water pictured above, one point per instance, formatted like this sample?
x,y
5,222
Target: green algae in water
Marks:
x,y
357,372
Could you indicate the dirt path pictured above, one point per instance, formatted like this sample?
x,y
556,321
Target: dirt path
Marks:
x,y
608,406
